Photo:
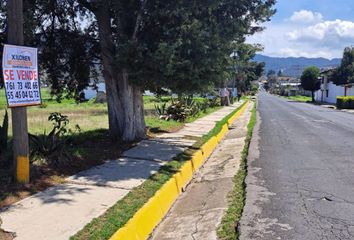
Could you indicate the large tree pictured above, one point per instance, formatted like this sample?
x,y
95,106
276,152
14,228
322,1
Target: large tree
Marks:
x,y
139,44
247,70
345,72
310,81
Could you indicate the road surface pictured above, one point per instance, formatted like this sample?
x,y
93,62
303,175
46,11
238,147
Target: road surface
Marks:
x,y
301,173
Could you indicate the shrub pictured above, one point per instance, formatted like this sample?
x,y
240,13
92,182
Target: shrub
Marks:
x,y
160,109
214,102
177,111
51,146
345,102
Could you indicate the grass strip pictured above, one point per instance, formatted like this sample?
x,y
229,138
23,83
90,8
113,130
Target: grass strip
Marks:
x,y
227,229
104,226
299,98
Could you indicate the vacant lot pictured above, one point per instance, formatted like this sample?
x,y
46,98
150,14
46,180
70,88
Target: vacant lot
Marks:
x,y
89,147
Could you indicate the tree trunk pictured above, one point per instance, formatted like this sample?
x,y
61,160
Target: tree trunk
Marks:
x,y
125,101
313,96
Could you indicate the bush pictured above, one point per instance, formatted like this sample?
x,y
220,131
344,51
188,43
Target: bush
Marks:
x,y
177,111
160,109
51,146
345,102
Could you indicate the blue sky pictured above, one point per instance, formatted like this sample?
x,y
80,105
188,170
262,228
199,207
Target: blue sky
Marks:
x,y
309,28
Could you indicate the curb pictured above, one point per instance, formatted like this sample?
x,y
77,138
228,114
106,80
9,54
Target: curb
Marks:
x,y
144,221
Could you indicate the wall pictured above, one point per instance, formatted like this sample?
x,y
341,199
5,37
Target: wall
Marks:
x,y
333,92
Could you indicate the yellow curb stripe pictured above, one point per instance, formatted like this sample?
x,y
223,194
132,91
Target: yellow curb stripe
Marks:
x,y
197,160
237,114
167,195
141,225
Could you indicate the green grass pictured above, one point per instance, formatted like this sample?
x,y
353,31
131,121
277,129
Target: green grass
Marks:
x,y
104,226
151,101
89,115
300,98
161,125
227,229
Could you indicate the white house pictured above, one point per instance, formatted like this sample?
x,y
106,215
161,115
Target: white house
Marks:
x,y
329,91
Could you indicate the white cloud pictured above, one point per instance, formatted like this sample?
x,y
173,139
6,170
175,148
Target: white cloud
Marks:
x,y
326,32
321,38
305,16
279,42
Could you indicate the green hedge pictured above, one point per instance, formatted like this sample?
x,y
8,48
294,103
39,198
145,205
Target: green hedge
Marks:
x,y
345,102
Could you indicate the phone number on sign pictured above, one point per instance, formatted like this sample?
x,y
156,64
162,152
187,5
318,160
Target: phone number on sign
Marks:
x,y
21,85
23,95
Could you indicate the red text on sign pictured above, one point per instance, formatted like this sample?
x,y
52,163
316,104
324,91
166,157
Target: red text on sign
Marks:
x,y
9,74
26,75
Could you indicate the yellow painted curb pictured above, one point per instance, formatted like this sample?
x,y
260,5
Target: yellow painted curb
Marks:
x,y
179,181
238,113
149,216
222,133
197,160
209,147
187,172
125,232
167,195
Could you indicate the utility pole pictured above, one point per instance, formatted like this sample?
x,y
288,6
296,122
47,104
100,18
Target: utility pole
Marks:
x,y
19,114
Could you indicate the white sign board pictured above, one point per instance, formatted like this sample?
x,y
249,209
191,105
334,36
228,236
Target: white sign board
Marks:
x,y
20,72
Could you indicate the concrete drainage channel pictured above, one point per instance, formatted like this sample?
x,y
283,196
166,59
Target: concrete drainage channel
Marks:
x,y
141,225
199,210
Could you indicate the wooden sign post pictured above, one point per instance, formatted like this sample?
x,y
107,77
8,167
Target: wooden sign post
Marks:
x,y
19,114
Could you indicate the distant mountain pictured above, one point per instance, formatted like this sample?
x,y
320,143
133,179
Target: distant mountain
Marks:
x,y
294,67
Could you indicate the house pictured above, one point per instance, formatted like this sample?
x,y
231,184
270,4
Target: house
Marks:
x,y
287,86
329,91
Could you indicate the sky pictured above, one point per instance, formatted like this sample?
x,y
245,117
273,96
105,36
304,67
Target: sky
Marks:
x,y
308,28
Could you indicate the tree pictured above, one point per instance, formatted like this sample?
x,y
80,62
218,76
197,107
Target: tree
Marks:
x,y
139,44
248,70
280,73
344,74
271,73
310,81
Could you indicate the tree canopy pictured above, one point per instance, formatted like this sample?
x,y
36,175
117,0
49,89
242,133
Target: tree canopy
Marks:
x,y
136,45
345,72
247,70
310,81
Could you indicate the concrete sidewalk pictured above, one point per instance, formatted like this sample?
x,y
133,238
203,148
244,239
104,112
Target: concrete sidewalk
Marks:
x,y
61,211
199,210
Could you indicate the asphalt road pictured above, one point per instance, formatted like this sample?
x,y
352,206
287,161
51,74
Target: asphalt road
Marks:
x,y
301,173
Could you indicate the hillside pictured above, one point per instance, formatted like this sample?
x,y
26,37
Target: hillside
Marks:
x,y
292,66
